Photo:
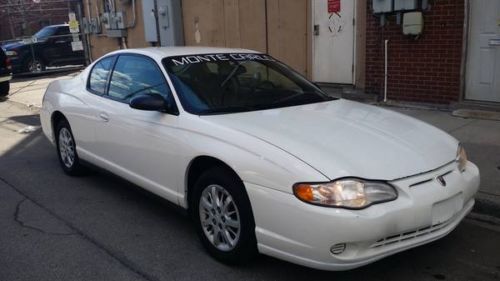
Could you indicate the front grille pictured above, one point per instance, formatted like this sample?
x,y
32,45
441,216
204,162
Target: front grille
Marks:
x,y
409,235
424,181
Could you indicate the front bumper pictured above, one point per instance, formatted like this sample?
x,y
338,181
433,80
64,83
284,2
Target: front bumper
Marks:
x,y
16,63
292,230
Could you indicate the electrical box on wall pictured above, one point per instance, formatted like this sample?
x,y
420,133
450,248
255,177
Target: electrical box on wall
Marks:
x,y
91,26
115,24
170,22
165,19
413,23
382,6
405,5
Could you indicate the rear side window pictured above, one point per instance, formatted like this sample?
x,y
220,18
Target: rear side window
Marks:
x,y
99,75
136,75
63,30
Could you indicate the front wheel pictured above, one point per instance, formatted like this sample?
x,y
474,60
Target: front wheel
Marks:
x,y
34,65
66,150
223,216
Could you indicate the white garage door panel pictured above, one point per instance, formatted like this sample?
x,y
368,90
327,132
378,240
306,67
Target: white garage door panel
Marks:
x,y
483,55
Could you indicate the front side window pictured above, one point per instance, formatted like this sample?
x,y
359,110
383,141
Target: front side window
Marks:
x,y
99,75
226,83
136,75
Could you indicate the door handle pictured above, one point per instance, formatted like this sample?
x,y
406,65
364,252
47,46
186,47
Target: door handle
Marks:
x,y
316,29
104,117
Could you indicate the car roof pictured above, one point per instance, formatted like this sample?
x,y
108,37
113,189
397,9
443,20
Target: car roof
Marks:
x,y
57,25
162,52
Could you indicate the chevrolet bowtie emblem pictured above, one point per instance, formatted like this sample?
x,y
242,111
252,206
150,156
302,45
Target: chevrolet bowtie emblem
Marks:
x,y
441,180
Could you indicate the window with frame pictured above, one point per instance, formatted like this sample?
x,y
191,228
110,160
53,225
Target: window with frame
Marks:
x,y
136,75
99,75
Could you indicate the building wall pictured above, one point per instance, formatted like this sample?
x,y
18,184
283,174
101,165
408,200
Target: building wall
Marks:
x,y
278,27
101,44
427,69
360,18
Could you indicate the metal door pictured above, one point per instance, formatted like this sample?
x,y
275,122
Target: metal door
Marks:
x,y
333,42
483,55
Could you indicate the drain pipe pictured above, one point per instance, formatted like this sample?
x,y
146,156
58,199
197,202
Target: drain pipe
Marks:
x,y
89,46
386,42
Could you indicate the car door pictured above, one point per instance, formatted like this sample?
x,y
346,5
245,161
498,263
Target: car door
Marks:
x,y
142,146
62,42
53,47
85,118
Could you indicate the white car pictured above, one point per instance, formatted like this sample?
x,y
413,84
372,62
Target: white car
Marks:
x,y
262,159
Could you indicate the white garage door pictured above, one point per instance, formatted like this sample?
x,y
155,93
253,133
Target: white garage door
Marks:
x,y
483,55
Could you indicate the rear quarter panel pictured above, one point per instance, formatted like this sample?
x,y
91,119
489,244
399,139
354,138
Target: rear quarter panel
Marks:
x,y
67,97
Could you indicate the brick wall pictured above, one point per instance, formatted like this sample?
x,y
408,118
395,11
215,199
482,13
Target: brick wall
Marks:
x,y
426,69
13,13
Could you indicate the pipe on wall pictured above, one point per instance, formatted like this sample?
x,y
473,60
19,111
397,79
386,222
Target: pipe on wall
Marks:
x,y
87,36
386,43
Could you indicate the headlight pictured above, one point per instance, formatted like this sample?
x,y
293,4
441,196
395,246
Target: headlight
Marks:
x,y
461,158
11,53
348,193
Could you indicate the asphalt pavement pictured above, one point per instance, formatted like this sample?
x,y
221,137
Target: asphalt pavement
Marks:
x,y
100,227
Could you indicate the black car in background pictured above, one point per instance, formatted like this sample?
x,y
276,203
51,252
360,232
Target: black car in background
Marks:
x,y
52,47
5,74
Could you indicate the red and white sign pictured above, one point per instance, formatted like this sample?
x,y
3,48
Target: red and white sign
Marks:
x,y
333,6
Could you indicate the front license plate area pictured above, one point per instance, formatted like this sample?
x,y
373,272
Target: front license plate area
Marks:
x,y
444,210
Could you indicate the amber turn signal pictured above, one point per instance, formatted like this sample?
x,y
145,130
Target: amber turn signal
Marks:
x,y
303,192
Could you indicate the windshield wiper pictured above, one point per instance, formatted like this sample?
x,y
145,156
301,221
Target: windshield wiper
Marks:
x,y
288,98
231,109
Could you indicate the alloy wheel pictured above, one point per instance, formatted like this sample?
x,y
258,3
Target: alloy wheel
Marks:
x,y
35,66
66,147
219,217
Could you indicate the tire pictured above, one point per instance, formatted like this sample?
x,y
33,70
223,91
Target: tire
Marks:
x,y
4,88
239,244
66,150
34,65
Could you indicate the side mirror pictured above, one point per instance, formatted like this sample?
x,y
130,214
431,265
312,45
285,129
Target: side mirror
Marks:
x,y
148,102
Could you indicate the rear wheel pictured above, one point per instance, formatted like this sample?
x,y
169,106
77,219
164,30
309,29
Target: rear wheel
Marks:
x,y
66,149
34,65
223,216
4,88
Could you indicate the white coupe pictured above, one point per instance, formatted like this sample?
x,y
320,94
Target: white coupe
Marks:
x,y
262,159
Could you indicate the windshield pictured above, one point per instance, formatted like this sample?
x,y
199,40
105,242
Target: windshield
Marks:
x,y
227,83
45,32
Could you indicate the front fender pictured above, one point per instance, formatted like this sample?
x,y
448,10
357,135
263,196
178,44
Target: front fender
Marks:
x,y
254,160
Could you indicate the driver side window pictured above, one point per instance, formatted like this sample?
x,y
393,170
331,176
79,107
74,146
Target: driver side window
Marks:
x,y
136,75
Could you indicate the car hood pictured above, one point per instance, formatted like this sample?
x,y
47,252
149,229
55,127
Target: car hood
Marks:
x,y
342,138
13,45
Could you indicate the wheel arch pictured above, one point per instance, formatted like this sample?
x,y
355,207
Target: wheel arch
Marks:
x,y
194,170
55,118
